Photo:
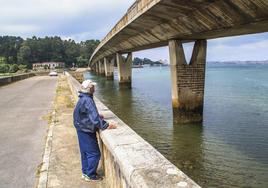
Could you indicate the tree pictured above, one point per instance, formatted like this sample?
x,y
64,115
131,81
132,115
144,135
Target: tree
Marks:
x,y
24,55
4,68
57,47
71,52
22,67
13,68
9,47
15,50
2,60
82,62
88,47
137,61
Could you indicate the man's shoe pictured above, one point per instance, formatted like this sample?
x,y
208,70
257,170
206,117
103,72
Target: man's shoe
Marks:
x,y
93,179
84,176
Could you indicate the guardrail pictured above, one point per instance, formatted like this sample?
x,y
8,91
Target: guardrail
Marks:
x,y
128,160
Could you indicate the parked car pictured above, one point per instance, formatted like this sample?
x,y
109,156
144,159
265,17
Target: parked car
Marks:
x,y
53,73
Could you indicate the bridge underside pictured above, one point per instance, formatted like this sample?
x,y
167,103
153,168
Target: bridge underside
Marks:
x,y
186,20
155,23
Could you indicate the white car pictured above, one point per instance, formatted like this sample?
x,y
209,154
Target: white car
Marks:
x,y
53,73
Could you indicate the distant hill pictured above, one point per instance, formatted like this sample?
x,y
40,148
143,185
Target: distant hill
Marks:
x,y
146,61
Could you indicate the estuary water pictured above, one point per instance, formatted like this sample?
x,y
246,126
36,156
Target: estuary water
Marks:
x,y
230,147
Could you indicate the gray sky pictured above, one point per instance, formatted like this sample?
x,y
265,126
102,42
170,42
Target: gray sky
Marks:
x,y
93,19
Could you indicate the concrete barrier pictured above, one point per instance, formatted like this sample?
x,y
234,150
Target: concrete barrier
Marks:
x,y
79,76
130,161
10,79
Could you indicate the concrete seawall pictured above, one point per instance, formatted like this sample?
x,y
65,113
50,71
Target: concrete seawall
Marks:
x,y
128,160
10,79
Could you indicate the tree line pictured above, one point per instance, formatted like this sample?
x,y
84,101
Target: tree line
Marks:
x,y
145,61
18,52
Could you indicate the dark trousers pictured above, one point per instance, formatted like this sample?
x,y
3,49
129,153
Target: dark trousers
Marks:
x,y
90,152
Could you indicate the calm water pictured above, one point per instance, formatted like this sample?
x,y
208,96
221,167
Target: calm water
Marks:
x,y
230,148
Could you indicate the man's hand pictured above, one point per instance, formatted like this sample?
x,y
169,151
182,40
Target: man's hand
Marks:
x,y
112,125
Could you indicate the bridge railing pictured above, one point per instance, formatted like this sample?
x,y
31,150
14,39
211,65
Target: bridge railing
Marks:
x,y
137,7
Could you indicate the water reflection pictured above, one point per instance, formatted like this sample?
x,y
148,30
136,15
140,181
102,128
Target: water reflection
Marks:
x,y
182,116
187,149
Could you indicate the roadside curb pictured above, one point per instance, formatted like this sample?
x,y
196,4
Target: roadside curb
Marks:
x,y
43,178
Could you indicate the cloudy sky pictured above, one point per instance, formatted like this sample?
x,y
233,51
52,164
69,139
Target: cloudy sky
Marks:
x,y
92,19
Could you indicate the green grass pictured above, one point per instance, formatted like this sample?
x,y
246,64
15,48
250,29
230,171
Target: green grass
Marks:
x,y
7,74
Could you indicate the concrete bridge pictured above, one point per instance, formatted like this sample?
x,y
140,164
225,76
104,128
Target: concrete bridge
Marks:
x,y
154,23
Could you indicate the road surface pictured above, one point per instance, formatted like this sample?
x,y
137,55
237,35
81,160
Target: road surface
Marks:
x,y
22,129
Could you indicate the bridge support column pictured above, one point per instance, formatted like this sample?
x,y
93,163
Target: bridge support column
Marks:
x,y
92,68
109,68
101,68
97,68
124,69
188,81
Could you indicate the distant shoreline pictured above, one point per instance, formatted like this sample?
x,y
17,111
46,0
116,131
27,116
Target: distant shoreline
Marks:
x,y
210,63
238,62
218,64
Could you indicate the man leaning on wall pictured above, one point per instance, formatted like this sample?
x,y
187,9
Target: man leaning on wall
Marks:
x,y
87,122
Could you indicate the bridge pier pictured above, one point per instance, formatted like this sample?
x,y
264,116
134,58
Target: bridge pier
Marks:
x,y
188,81
109,68
124,69
101,68
93,68
97,68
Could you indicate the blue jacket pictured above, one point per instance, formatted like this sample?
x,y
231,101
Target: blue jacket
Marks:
x,y
86,116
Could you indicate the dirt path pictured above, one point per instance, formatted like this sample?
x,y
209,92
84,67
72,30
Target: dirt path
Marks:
x,y
65,167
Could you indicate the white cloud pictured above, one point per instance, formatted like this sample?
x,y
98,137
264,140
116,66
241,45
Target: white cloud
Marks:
x,y
25,28
88,19
249,51
60,17
241,48
18,9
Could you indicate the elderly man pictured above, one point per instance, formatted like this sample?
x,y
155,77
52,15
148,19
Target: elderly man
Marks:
x,y
87,121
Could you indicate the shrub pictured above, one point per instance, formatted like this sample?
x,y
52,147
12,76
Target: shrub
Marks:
x,y
46,67
22,67
13,68
4,68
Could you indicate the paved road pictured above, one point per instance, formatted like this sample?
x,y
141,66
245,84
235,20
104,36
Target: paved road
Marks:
x,y
22,130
